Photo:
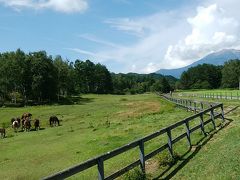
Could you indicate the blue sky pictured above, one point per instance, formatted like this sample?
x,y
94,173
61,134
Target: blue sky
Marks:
x,y
126,35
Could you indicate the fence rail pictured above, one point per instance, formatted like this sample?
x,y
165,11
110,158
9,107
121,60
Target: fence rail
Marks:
x,y
99,161
215,95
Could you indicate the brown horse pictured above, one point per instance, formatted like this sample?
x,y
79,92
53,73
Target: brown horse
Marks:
x,y
53,121
24,117
37,124
3,132
27,124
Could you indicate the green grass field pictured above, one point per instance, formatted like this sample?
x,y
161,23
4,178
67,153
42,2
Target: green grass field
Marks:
x,y
99,123
219,157
85,133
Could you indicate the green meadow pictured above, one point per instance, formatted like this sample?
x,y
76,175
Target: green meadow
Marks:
x,y
217,157
91,126
95,124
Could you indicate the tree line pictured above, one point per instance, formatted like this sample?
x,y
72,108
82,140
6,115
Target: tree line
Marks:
x,y
208,76
36,77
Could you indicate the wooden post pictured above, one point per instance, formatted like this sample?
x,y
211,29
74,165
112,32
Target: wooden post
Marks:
x,y
195,107
223,118
188,134
202,124
170,142
142,156
100,169
212,117
201,106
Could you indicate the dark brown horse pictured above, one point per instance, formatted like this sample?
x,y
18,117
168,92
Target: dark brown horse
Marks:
x,y
27,124
25,116
37,124
53,121
3,132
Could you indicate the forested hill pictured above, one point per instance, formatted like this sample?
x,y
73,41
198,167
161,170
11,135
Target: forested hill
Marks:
x,y
139,83
38,77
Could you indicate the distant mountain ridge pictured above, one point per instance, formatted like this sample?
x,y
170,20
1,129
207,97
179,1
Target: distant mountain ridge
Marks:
x,y
216,58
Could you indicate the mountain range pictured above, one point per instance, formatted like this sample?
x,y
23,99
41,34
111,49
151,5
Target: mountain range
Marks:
x,y
216,58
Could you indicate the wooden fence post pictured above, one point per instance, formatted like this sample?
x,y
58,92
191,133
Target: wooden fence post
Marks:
x,y
201,106
202,124
195,107
142,156
100,169
212,117
222,113
188,134
170,142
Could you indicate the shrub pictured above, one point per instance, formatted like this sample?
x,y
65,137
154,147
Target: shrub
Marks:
x,y
135,174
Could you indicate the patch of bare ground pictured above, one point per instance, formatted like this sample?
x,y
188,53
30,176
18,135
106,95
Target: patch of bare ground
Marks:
x,y
136,109
152,165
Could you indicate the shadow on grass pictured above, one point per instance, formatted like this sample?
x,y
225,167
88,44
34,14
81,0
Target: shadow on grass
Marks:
x,y
62,101
75,100
186,157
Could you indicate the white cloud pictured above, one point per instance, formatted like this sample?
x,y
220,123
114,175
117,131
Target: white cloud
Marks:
x,y
97,40
172,39
144,55
212,30
65,6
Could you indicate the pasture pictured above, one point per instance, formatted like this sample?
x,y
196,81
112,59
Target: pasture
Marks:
x,y
96,124
93,125
219,157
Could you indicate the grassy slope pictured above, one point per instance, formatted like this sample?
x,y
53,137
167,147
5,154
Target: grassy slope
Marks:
x,y
219,157
84,134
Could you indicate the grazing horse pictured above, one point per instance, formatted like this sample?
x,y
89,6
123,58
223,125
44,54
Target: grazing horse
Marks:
x,y
24,117
37,124
53,121
2,132
18,120
12,120
27,124
15,125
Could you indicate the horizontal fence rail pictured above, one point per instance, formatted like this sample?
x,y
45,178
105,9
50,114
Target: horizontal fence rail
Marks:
x,y
215,95
99,160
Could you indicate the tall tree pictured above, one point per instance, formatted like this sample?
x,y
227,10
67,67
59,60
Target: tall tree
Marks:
x,y
231,74
63,75
44,84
